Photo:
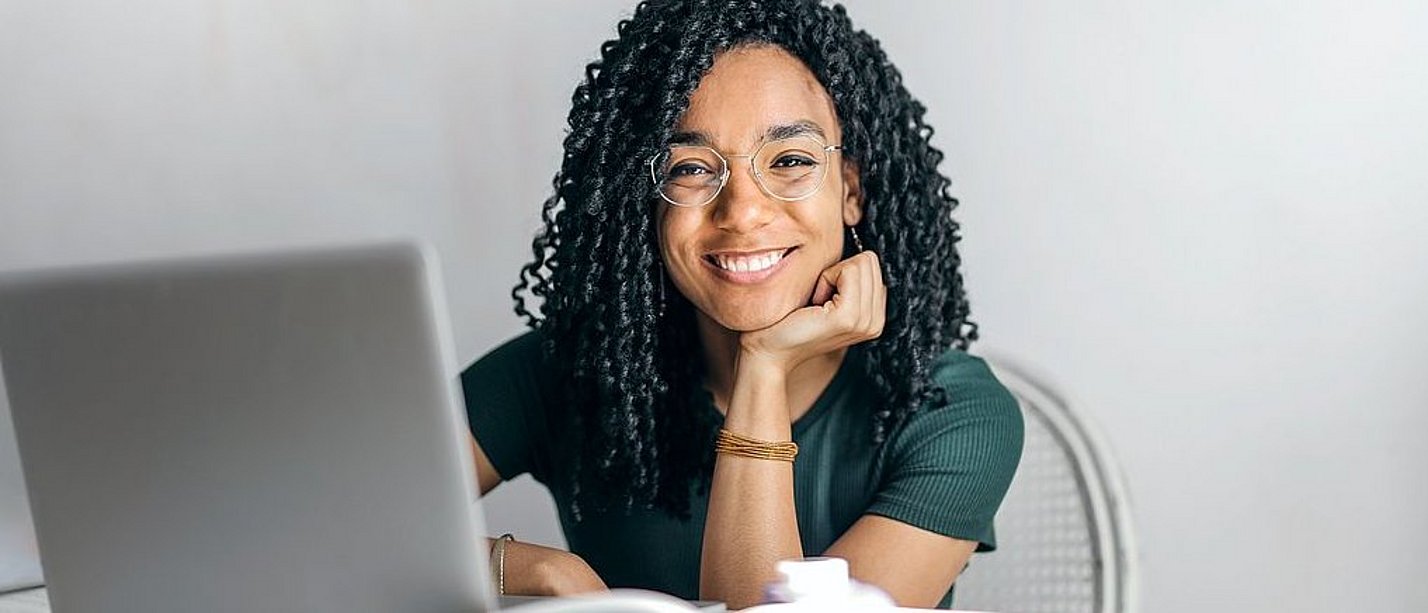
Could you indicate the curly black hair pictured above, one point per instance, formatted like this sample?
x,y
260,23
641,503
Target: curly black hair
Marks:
x,y
630,353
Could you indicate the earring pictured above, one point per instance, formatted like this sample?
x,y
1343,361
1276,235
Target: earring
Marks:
x,y
659,310
857,242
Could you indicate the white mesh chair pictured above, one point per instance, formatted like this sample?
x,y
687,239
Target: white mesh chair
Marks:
x,y
1064,537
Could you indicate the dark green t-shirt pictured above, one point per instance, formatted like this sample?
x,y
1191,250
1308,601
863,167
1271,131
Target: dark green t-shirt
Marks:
x,y
944,470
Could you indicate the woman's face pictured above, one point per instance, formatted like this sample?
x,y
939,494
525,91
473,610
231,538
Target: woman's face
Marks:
x,y
750,94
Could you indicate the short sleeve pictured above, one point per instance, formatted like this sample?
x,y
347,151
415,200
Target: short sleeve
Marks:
x,y
506,403
947,468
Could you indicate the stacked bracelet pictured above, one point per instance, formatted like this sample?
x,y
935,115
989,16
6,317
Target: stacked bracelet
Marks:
x,y
498,562
745,447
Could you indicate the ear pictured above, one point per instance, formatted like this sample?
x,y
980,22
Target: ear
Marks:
x,y
852,194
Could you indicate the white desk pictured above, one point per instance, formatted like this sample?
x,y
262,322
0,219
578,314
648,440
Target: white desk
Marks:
x,y
36,601
28,601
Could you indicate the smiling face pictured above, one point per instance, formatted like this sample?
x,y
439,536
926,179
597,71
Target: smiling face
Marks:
x,y
747,259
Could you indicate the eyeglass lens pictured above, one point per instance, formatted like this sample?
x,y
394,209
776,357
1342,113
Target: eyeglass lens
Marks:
x,y
788,169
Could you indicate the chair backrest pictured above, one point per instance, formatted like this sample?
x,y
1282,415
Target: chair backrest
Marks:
x,y
1064,537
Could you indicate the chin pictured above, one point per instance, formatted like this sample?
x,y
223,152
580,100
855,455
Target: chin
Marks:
x,y
748,320
745,323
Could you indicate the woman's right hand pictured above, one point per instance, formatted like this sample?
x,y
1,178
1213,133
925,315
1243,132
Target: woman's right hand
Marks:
x,y
533,570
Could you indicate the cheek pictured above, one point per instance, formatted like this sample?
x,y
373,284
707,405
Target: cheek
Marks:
x,y
680,262
820,225
668,234
826,220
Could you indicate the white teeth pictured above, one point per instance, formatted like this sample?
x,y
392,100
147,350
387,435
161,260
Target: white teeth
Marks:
x,y
748,264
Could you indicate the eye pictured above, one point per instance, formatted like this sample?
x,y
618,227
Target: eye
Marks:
x,y
688,169
790,160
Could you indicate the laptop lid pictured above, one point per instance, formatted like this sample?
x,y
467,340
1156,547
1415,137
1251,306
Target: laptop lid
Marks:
x,y
245,433
19,556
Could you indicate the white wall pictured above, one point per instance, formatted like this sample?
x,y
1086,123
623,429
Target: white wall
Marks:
x,y
186,127
1206,220
1201,219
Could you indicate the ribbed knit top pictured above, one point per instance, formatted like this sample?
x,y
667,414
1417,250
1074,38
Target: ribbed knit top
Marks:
x,y
945,470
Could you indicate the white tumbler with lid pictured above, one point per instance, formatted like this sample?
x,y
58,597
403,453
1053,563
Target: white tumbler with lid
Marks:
x,y
821,584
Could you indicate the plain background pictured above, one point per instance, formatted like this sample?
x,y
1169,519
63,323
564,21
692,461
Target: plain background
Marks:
x,y
1202,221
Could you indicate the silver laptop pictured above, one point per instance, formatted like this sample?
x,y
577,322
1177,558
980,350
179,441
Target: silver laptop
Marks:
x,y
19,556
245,433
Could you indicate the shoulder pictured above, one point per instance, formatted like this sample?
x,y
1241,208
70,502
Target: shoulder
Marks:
x,y
962,374
949,464
514,379
522,352
526,345
976,413
508,392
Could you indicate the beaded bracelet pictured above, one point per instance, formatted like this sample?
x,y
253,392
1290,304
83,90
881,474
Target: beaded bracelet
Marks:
x,y
745,447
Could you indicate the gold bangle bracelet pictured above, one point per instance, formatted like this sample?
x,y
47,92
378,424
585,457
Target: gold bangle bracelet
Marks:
x,y
498,562
745,447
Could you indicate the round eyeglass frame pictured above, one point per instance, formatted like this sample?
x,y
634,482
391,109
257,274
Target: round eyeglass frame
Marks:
x,y
758,176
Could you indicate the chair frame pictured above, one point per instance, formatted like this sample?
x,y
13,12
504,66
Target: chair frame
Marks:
x,y
1103,487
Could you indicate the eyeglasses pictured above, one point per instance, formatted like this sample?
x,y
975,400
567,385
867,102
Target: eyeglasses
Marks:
x,y
788,169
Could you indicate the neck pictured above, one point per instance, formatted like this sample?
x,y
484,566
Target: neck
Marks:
x,y
721,354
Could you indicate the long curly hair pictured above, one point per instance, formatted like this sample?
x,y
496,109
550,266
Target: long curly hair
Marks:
x,y
629,352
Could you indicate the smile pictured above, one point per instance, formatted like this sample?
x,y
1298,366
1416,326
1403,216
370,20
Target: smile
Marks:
x,y
747,267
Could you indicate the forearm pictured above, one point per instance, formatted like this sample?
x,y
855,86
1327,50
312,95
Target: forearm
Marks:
x,y
751,523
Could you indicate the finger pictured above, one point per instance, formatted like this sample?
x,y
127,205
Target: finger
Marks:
x,y
859,285
880,304
870,296
828,281
823,290
851,278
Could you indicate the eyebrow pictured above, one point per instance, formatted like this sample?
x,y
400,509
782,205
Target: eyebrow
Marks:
x,y
802,127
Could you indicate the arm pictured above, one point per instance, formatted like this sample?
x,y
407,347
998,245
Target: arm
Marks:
x,y
751,523
916,567
948,471
533,570
502,391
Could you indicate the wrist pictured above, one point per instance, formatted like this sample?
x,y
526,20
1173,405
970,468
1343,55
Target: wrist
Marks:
x,y
498,561
752,363
758,403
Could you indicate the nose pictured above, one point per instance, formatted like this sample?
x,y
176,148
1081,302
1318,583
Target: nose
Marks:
x,y
742,206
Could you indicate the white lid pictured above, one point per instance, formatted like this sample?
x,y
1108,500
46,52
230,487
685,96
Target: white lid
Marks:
x,y
815,576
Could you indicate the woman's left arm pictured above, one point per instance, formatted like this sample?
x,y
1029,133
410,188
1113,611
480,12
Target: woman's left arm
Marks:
x,y
751,523
914,566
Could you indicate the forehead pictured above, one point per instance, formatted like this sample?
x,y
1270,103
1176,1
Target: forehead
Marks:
x,y
752,89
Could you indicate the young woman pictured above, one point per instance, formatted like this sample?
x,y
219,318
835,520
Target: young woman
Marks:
x,y
749,245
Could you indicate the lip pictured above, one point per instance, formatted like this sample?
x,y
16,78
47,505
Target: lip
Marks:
x,y
748,277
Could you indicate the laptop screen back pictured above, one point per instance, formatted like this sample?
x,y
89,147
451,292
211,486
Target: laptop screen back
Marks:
x,y
248,433
19,557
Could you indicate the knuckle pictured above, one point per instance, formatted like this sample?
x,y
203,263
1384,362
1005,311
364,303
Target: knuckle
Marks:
x,y
849,320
